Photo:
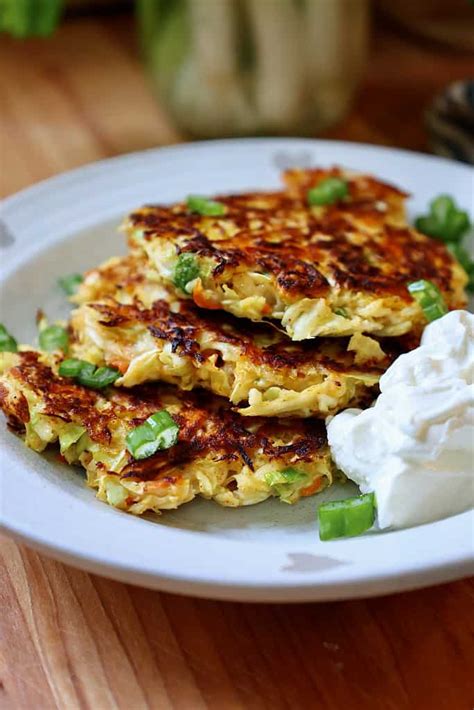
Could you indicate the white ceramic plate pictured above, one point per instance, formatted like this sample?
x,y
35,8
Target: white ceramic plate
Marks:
x,y
269,552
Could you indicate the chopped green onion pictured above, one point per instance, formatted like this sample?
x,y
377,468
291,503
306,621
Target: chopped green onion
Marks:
x,y
54,337
158,432
8,343
461,255
341,312
28,18
442,207
186,270
346,518
70,367
205,207
46,17
445,220
287,475
87,374
99,378
429,297
71,283
285,482
427,224
328,192
470,283
72,433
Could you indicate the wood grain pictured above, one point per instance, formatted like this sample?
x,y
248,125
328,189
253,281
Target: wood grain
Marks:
x,y
73,640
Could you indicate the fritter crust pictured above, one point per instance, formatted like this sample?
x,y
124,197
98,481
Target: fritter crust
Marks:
x,y
219,454
253,365
271,255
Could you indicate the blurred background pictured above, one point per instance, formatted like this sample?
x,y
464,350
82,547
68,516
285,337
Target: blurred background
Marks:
x,y
85,79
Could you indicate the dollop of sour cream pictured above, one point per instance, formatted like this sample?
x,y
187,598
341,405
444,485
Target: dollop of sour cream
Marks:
x,y
414,448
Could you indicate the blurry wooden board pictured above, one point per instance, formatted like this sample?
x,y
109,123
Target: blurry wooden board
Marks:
x,y
72,99
73,640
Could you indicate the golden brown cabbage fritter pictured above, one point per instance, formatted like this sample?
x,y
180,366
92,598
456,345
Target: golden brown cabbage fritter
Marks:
x,y
329,270
218,455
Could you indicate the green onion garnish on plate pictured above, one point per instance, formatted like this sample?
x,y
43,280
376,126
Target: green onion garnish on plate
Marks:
x,y
205,207
460,254
186,270
346,518
445,221
87,374
70,283
429,298
8,343
328,192
158,432
54,337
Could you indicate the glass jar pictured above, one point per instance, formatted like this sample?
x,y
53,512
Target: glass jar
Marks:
x,y
254,67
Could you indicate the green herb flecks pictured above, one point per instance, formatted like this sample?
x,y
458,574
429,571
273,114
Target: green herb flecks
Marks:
x,y
87,374
8,343
158,432
429,298
54,337
328,192
205,207
70,283
186,270
445,221
286,482
346,518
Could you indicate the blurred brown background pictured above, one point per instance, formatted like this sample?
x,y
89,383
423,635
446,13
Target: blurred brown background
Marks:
x,y
83,93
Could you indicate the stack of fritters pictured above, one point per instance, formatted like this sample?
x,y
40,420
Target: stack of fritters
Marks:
x,y
255,366
289,313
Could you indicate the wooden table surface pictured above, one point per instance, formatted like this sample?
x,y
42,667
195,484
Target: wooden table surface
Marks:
x,y
73,640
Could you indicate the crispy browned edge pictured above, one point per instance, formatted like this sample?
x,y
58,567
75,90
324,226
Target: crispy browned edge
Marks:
x,y
182,330
206,423
382,265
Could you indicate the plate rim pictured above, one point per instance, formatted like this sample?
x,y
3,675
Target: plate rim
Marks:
x,y
300,589
223,142
288,593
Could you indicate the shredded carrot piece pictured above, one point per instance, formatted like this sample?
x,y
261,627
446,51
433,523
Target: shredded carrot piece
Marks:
x,y
200,298
120,365
312,488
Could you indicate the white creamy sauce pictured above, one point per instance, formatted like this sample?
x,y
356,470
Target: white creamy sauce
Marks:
x,y
414,448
